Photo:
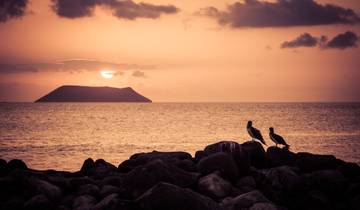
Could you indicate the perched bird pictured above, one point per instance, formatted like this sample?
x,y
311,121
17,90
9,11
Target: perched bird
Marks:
x,y
254,133
277,139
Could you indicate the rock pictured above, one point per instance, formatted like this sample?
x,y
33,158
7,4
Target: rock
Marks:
x,y
282,183
246,184
117,181
352,191
199,155
142,178
76,182
256,154
316,200
112,202
186,165
220,161
234,149
38,202
4,168
308,162
280,156
246,200
59,181
166,196
355,203
89,189
17,164
350,169
144,158
107,190
14,203
87,166
83,202
328,181
51,191
214,186
263,206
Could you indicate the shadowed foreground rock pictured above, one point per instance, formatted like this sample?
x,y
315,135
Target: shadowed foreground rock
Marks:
x,y
223,176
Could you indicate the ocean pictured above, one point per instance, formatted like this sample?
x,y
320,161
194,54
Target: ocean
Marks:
x,y
62,135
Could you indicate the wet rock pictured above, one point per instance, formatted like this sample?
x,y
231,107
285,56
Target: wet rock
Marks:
x,y
142,178
144,158
308,162
282,183
87,166
220,161
14,203
111,202
350,169
107,190
53,192
4,168
256,154
280,156
89,189
246,184
76,182
199,155
246,200
234,149
166,196
264,206
328,181
83,202
17,164
39,202
214,186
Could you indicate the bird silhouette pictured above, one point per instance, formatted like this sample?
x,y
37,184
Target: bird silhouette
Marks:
x,y
277,139
254,133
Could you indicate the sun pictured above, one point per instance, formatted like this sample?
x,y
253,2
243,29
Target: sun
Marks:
x,y
107,74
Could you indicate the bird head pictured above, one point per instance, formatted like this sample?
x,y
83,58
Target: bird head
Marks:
x,y
271,129
249,124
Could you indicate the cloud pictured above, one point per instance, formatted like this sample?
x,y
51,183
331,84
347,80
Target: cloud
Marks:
x,y
71,66
281,13
340,41
343,41
125,9
12,9
304,40
138,74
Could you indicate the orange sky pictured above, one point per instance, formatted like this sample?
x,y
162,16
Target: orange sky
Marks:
x,y
182,57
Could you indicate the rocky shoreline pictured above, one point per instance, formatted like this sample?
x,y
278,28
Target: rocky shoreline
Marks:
x,y
222,176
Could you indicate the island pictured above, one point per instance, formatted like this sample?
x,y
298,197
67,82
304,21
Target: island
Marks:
x,y
72,93
222,176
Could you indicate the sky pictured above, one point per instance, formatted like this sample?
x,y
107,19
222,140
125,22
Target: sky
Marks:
x,y
183,50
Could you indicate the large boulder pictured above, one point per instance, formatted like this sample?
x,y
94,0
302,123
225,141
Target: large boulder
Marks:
x,y
89,189
220,161
214,186
98,169
281,184
280,156
142,178
53,192
256,154
331,182
84,202
234,149
17,164
166,196
87,166
144,158
246,201
4,168
308,162
39,202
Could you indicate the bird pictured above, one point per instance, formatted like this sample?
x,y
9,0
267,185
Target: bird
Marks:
x,y
277,139
254,133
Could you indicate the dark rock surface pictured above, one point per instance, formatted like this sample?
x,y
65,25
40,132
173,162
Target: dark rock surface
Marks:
x,y
223,176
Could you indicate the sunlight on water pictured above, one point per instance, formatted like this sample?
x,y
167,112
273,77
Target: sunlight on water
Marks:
x,y
63,135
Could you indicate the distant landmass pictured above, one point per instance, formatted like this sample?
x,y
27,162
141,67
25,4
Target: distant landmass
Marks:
x,y
70,93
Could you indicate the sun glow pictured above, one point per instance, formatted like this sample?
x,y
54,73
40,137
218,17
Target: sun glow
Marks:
x,y
107,74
